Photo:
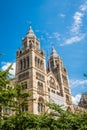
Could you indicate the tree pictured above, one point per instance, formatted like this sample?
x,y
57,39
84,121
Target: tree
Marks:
x,y
4,80
13,99
85,74
21,98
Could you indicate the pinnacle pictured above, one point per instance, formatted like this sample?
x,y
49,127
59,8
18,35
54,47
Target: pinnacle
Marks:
x,y
54,53
30,32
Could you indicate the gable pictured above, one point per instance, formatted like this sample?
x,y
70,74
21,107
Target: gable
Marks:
x,y
52,81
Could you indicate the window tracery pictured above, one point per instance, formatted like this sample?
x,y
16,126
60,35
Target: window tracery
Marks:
x,y
40,76
39,63
52,82
23,76
24,63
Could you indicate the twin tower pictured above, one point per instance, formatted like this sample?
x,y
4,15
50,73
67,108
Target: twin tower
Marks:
x,y
46,83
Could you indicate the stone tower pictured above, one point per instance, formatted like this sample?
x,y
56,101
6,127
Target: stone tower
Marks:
x,y
31,71
56,66
83,100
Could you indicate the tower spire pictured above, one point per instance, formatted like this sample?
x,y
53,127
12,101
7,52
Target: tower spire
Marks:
x,y
31,32
54,53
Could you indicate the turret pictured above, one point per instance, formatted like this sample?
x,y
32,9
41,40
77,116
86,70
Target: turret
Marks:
x,y
56,66
30,41
54,60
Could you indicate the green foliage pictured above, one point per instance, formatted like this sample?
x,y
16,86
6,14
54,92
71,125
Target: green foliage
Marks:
x,y
4,93
12,98
45,121
21,98
1,54
4,78
85,74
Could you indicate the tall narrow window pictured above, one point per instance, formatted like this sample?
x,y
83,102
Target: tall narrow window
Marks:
x,y
27,62
41,105
67,98
25,108
21,64
24,63
52,64
36,61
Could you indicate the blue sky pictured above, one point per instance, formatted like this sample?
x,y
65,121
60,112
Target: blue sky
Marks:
x,y
58,23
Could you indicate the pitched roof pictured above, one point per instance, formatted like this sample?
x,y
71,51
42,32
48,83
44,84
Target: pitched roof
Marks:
x,y
31,33
54,53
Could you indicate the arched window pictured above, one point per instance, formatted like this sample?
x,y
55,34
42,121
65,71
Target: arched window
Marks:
x,y
67,98
21,64
41,64
38,62
52,64
40,105
24,63
27,62
35,61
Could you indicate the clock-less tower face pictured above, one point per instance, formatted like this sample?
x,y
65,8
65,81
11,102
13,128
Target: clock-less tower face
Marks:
x,y
31,71
56,66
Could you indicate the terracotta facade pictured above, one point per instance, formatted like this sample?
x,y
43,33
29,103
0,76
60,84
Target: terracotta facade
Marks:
x,y
47,84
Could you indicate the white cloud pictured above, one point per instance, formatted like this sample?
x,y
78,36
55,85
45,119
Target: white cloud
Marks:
x,y
78,86
5,65
54,35
77,22
76,99
74,39
77,83
78,18
84,7
75,29
62,15
50,38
